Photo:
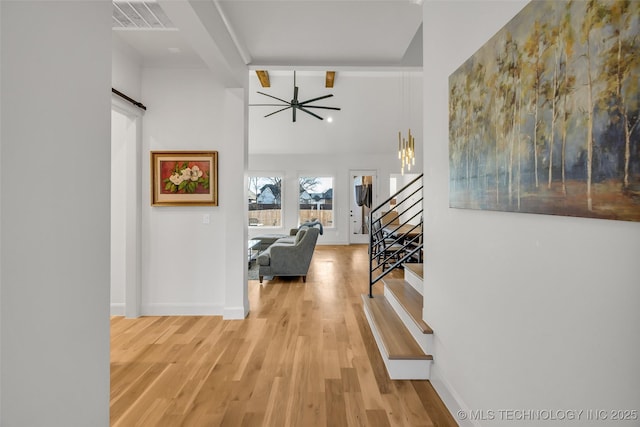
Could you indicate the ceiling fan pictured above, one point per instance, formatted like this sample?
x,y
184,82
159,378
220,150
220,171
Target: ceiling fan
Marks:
x,y
295,104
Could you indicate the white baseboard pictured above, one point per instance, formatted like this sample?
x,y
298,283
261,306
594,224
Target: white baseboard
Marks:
x,y
451,399
235,313
159,309
117,309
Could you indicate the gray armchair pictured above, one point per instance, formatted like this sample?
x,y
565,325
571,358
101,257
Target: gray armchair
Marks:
x,y
289,257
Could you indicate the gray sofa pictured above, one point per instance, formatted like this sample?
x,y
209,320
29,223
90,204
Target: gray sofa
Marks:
x,y
289,256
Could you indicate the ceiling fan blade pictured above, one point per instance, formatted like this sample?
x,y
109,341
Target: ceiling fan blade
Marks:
x,y
309,112
321,106
268,105
316,99
294,104
282,109
274,97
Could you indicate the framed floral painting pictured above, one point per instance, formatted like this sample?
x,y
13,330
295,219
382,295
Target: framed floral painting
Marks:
x,y
184,178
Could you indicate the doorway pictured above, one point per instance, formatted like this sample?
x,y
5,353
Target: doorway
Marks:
x,y
126,144
362,197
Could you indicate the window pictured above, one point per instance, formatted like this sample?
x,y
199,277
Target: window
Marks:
x,y
264,194
315,201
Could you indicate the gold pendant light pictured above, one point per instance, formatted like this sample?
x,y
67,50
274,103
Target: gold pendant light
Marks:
x,y
406,146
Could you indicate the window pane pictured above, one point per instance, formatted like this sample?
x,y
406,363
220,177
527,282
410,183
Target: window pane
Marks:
x,y
265,201
316,200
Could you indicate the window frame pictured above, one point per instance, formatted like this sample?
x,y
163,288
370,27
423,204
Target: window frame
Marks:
x,y
333,196
266,175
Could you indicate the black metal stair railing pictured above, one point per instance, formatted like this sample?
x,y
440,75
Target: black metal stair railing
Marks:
x,y
388,248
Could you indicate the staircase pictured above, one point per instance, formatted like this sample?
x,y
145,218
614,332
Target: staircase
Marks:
x,y
404,340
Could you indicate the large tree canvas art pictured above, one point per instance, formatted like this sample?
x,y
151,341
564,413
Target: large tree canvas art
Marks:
x,y
544,118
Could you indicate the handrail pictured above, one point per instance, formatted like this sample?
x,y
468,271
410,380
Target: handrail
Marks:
x,y
408,246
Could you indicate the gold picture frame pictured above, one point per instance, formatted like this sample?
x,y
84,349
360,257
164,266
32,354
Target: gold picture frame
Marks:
x,y
184,178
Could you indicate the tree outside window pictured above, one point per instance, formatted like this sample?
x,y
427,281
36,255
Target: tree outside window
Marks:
x,y
264,196
315,201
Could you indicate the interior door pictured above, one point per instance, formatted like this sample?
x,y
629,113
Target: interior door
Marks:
x,y
126,179
362,196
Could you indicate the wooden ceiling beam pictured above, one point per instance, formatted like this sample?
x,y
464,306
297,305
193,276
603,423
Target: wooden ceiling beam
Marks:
x,y
331,76
263,76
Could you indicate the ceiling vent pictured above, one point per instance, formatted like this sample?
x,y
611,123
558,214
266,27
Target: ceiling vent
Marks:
x,y
140,15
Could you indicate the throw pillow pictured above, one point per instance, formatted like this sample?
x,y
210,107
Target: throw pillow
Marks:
x,y
300,235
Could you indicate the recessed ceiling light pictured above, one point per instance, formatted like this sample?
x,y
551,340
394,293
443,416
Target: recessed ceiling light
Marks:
x,y
330,119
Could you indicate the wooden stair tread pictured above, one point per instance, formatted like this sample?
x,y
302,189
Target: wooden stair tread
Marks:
x,y
416,268
411,301
396,338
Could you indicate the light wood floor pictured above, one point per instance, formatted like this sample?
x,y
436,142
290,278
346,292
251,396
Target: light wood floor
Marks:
x,y
304,357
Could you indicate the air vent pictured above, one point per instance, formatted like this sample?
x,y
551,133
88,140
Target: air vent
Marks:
x,y
140,15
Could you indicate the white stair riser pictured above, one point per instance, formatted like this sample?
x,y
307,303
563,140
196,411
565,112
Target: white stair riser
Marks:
x,y
400,369
414,280
425,341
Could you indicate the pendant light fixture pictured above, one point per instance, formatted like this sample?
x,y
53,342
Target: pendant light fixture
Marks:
x,y
406,151
406,146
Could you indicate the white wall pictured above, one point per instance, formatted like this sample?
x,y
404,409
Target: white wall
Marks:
x,y
186,264
55,213
1,275
410,196
374,107
119,181
291,167
529,311
126,70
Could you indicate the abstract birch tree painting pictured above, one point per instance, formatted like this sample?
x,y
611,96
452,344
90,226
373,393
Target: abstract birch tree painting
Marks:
x,y
544,118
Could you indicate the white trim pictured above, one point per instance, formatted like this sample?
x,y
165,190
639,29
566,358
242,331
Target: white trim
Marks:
x,y
117,309
414,280
333,243
235,313
133,208
450,398
242,50
165,309
124,107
